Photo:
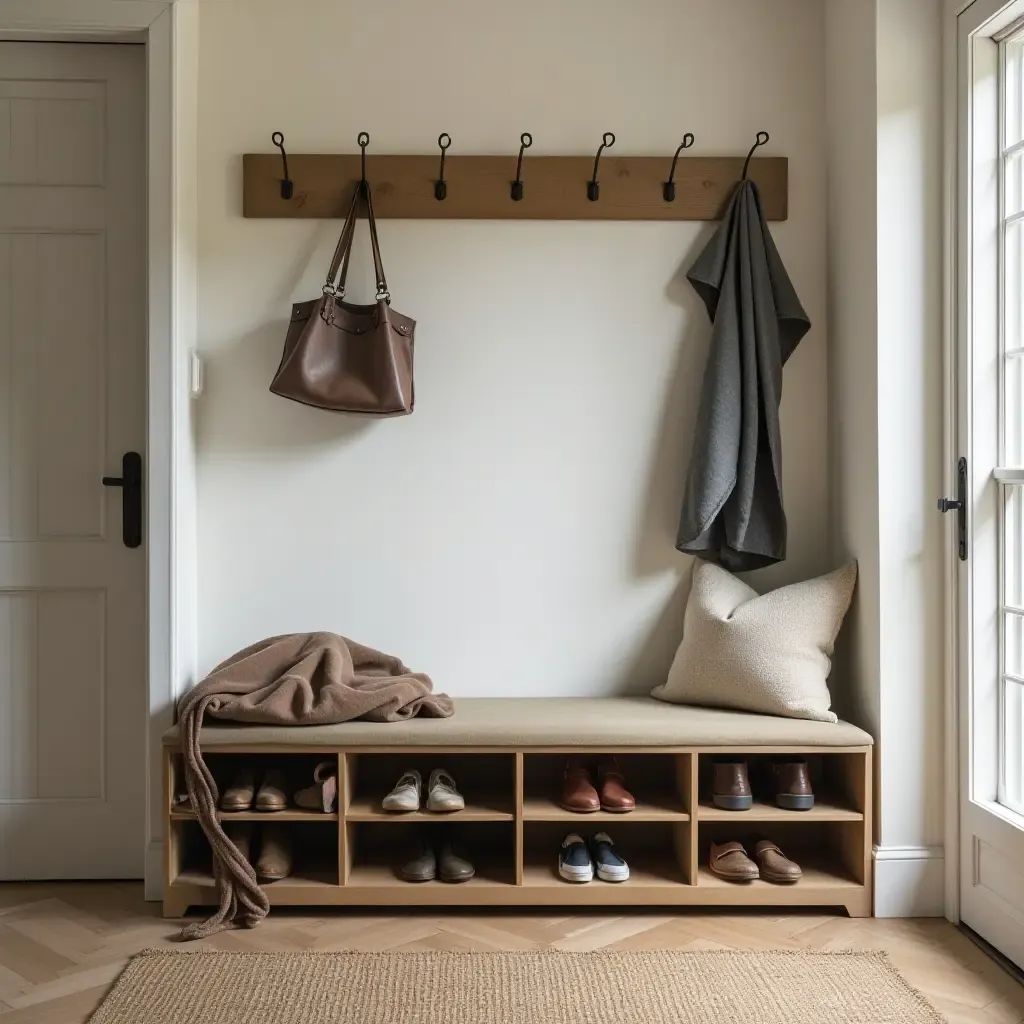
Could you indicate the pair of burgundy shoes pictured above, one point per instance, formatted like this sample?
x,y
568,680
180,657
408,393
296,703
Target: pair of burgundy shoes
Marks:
x,y
581,796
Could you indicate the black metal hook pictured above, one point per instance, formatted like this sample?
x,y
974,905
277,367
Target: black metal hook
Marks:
x,y
287,188
758,141
593,189
668,188
363,140
525,142
440,188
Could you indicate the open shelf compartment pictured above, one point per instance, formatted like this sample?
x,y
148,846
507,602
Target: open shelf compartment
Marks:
x,y
298,772
486,782
314,852
376,851
838,780
656,852
658,782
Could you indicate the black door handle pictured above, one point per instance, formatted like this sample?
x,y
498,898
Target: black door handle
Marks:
x,y
959,505
130,482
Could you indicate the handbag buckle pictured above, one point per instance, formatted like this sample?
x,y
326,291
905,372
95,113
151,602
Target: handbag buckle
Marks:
x,y
383,293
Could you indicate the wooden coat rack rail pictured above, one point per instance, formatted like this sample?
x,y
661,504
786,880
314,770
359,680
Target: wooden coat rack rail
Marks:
x,y
480,187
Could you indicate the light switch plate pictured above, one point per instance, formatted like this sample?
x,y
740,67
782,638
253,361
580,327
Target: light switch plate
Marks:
x,y
195,373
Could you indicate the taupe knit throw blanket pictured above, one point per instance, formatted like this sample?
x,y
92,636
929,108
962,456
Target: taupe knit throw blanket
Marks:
x,y
297,679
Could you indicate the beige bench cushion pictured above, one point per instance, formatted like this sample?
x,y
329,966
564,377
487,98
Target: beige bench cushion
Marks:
x,y
553,722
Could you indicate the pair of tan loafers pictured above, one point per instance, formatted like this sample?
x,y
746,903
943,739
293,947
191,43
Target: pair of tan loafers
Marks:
x,y
272,793
242,793
729,861
275,849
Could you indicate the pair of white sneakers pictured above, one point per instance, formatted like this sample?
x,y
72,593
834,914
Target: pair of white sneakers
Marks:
x,y
442,793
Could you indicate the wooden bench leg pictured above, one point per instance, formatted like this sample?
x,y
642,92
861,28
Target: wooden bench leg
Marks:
x,y
859,905
175,904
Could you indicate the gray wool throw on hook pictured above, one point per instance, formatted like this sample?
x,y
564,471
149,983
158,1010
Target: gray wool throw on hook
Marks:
x,y
295,679
732,509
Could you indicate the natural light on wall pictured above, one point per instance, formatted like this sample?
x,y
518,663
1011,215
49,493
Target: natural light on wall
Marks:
x,y
1011,470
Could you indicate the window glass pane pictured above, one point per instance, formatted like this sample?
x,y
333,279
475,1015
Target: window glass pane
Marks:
x,y
1012,95
1013,746
1013,559
1012,412
1013,184
1013,644
1013,343
1013,251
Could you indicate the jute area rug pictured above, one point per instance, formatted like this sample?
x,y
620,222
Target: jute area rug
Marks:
x,y
513,988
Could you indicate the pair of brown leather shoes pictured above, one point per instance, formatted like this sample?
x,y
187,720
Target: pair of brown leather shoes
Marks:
x,y
580,796
242,792
730,785
730,862
433,856
275,857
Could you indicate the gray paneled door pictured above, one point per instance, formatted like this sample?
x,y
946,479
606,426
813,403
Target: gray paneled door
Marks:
x,y
72,401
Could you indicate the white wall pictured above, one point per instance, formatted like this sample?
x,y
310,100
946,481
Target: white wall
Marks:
x,y
516,534
173,58
910,409
885,389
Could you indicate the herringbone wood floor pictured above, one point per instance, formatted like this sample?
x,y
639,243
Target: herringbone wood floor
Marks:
x,y
61,945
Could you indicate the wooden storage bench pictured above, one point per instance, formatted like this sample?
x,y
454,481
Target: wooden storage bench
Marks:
x,y
507,757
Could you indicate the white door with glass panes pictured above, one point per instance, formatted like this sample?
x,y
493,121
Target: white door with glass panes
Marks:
x,y
988,531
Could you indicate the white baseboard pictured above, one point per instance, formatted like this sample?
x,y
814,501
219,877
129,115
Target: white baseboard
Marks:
x,y
910,881
154,885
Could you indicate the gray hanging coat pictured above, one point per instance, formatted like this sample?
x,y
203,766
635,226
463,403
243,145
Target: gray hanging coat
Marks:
x,y
732,509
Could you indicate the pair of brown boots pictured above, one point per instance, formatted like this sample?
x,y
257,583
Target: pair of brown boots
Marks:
x,y
581,796
275,849
730,785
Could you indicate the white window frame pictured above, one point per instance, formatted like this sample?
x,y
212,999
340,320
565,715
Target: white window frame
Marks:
x,y
1007,476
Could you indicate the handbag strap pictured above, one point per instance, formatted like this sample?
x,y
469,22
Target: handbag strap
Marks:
x,y
343,252
342,248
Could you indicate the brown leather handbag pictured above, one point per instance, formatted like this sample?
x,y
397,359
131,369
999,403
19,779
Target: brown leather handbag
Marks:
x,y
344,357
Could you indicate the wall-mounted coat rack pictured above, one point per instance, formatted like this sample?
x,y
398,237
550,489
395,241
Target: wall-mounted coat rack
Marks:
x,y
511,187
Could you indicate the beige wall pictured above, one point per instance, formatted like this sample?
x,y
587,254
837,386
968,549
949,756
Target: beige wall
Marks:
x,y
853,351
515,536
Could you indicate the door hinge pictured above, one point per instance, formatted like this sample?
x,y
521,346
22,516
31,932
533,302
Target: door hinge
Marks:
x,y
959,505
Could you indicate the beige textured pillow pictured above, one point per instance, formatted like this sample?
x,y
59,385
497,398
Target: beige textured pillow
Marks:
x,y
767,653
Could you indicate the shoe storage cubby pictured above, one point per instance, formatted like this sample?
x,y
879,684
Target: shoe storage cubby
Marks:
x,y
377,850
486,781
314,848
657,782
655,851
830,853
513,825
297,770
837,780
